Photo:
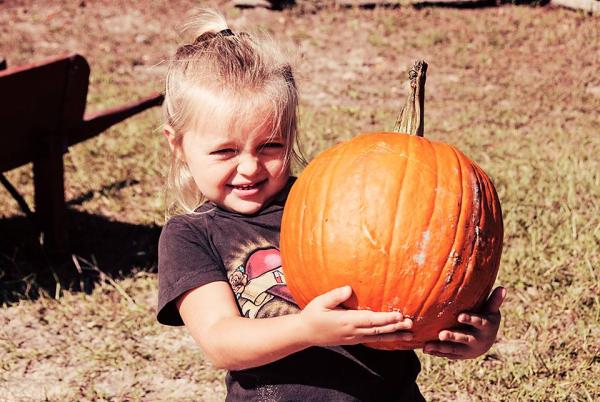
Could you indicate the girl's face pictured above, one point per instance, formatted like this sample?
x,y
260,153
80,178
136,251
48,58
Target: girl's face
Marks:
x,y
239,169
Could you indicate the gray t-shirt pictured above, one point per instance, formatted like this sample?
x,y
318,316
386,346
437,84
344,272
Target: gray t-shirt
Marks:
x,y
218,245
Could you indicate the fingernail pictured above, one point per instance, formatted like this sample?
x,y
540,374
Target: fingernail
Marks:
x,y
344,289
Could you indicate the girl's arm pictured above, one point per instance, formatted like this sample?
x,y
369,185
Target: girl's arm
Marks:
x,y
476,334
230,341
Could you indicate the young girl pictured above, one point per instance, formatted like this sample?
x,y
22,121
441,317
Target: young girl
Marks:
x,y
230,108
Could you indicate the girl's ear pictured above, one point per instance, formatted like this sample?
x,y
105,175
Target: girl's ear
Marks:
x,y
174,142
169,134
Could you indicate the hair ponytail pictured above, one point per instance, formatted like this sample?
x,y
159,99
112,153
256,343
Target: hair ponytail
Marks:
x,y
205,22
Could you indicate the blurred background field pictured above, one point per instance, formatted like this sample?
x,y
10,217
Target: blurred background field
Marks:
x,y
516,88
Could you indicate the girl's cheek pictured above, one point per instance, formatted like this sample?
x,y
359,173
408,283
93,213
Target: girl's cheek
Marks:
x,y
274,160
282,172
276,168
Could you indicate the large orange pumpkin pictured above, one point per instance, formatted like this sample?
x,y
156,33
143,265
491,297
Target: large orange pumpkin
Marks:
x,y
411,224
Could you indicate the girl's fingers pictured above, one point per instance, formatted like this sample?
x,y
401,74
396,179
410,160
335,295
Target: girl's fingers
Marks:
x,y
458,337
405,324
391,337
480,323
493,303
490,312
383,329
368,319
446,348
333,298
473,320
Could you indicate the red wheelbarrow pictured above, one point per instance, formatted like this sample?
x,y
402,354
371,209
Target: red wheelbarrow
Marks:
x,y
42,113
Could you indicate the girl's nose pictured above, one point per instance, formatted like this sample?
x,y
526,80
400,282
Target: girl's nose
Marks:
x,y
248,165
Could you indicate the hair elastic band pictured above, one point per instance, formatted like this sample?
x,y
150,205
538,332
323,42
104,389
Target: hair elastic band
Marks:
x,y
205,36
226,32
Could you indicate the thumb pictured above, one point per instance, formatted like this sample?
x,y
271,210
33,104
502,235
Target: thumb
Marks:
x,y
334,298
495,300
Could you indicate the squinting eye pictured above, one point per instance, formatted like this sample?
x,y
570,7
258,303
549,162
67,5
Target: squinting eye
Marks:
x,y
224,152
271,146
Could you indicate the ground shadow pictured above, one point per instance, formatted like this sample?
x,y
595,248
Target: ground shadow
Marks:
x,y
98,247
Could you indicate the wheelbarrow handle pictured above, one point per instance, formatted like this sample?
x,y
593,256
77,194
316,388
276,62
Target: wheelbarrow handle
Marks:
x,y
96,123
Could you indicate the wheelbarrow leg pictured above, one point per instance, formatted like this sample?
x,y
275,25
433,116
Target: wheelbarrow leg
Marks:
x,y
48,178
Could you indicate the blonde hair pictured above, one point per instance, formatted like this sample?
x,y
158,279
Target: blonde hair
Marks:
x,y
227,71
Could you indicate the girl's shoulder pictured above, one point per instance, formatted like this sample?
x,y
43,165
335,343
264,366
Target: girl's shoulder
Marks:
x,y
189,225
203,213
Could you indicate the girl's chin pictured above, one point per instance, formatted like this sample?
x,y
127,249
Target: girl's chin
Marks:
x,y
242,206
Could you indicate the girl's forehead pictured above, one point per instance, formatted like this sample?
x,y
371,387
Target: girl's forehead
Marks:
x,y
226,114
235,117
222,127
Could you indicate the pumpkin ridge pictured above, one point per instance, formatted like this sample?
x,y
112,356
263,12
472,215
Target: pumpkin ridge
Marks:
x,y
379,296
412,140
362,206
320,256
314,255
302,258
484,184
482,214
425,301
392,239
478,228
468,265
302,254
332,166
458,220
360,162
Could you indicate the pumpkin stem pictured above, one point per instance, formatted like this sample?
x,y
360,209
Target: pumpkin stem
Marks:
x,y
411,119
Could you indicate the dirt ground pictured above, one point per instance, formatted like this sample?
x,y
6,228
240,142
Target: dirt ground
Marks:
x,y
516,86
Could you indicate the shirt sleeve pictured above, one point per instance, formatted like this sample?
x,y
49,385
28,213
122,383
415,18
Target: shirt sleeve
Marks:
x,y
185,262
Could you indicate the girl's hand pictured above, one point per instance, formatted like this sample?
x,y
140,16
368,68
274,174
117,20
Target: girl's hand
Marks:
x,y
475,336
327,324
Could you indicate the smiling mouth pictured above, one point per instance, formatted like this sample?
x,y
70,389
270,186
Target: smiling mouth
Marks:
x,y
248,186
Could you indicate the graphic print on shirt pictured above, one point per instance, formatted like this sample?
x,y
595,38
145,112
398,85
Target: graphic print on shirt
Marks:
x,y
260,281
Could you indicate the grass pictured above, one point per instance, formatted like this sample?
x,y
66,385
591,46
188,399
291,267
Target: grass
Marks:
x,y
509,86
